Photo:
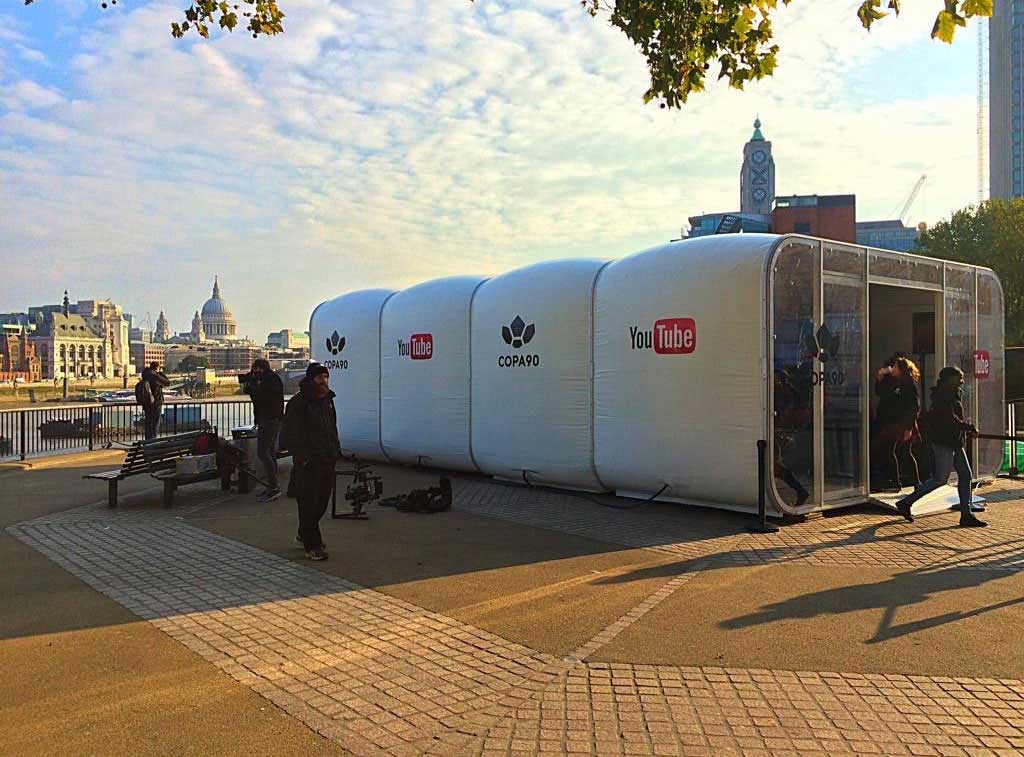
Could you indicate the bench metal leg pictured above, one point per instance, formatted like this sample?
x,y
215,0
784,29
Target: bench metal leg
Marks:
x,y
244,482
169,487
112,493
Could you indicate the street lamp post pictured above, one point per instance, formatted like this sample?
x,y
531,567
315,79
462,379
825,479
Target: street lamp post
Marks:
x,y
66,312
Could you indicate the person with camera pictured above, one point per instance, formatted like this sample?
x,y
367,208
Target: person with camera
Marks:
x,y
311,434
149,393
266,390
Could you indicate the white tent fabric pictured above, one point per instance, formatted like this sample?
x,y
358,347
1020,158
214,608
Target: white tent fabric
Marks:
x,y
425,364
532,338
679,387
345,336
647,376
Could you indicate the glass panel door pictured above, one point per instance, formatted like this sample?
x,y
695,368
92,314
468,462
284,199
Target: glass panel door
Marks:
x,y
841,379
961,331
989,369
795,280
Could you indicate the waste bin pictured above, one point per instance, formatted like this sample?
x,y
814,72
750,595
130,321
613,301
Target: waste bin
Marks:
x,y
244,438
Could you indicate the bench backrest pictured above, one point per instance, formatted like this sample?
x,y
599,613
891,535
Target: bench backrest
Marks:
x,y
134,461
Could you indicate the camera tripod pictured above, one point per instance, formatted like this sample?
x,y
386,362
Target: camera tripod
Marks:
x,y
365,489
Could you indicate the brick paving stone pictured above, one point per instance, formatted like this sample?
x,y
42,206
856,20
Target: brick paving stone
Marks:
x,y
379,675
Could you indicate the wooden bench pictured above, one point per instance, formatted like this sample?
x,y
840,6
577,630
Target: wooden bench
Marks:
x,y
153,456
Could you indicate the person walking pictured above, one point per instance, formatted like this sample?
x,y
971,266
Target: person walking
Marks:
x,y
899,406
311,434
149,393
266,391
946,428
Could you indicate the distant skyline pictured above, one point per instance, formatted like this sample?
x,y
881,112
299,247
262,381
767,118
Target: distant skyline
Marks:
x,y
384,143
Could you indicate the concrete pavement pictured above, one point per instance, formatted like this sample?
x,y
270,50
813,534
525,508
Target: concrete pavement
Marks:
x,y
525,621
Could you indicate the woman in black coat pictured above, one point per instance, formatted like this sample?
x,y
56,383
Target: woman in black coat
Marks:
x,y
947,428
899,406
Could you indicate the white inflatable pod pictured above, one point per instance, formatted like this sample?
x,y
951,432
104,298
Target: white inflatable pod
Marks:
x,y
425,387
532,340
678,383
344,335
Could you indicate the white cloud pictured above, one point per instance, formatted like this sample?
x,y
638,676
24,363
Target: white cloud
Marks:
x,y
383,143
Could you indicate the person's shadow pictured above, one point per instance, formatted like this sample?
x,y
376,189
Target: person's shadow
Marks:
x,y
902,590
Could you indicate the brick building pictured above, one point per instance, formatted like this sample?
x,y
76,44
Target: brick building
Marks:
x,y
826,216
144,353
18,359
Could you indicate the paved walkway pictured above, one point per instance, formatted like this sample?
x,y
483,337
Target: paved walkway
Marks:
x,y
377,674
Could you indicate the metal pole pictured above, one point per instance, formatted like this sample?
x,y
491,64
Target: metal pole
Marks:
x,y
1013,445
762,526
21,420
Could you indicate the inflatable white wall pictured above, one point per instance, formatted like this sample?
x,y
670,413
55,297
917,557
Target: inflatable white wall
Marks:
x,y
642,375
425,364
678,382
532,337
344,335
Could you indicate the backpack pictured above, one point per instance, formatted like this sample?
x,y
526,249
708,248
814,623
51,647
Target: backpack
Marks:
x,y
144,393
436,499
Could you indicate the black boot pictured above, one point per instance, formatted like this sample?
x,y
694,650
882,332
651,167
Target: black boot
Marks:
x,y
968,520
904,509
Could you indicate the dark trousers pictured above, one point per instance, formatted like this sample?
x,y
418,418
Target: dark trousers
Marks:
x,y
314,484
887,447
152,422
945,461
266,449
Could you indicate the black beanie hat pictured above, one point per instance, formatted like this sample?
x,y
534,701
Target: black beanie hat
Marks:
x,y
315,369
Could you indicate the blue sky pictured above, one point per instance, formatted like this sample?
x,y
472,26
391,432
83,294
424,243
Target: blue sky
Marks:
x,y
382,143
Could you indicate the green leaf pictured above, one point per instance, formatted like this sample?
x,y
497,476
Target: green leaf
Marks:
x,y
741,26
944,28
977,8
868,13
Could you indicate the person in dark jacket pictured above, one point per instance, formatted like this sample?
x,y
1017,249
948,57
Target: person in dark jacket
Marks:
x,y
311,434
946,429
899,406
266,391
157,380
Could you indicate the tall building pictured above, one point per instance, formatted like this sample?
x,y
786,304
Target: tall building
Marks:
x,y
1006,100
757,175
66,344
163,328
198,332
757,193
108,321
96,330
218,322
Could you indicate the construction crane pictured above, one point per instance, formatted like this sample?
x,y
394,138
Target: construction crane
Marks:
x,y
981,110
910,199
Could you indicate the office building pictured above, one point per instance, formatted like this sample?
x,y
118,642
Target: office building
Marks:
x,y
1006,100
888,235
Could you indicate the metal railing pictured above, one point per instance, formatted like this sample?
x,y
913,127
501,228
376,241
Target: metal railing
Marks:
x,y
34,432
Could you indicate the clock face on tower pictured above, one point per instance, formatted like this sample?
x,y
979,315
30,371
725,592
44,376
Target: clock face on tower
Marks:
x,y
759,156
760,194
